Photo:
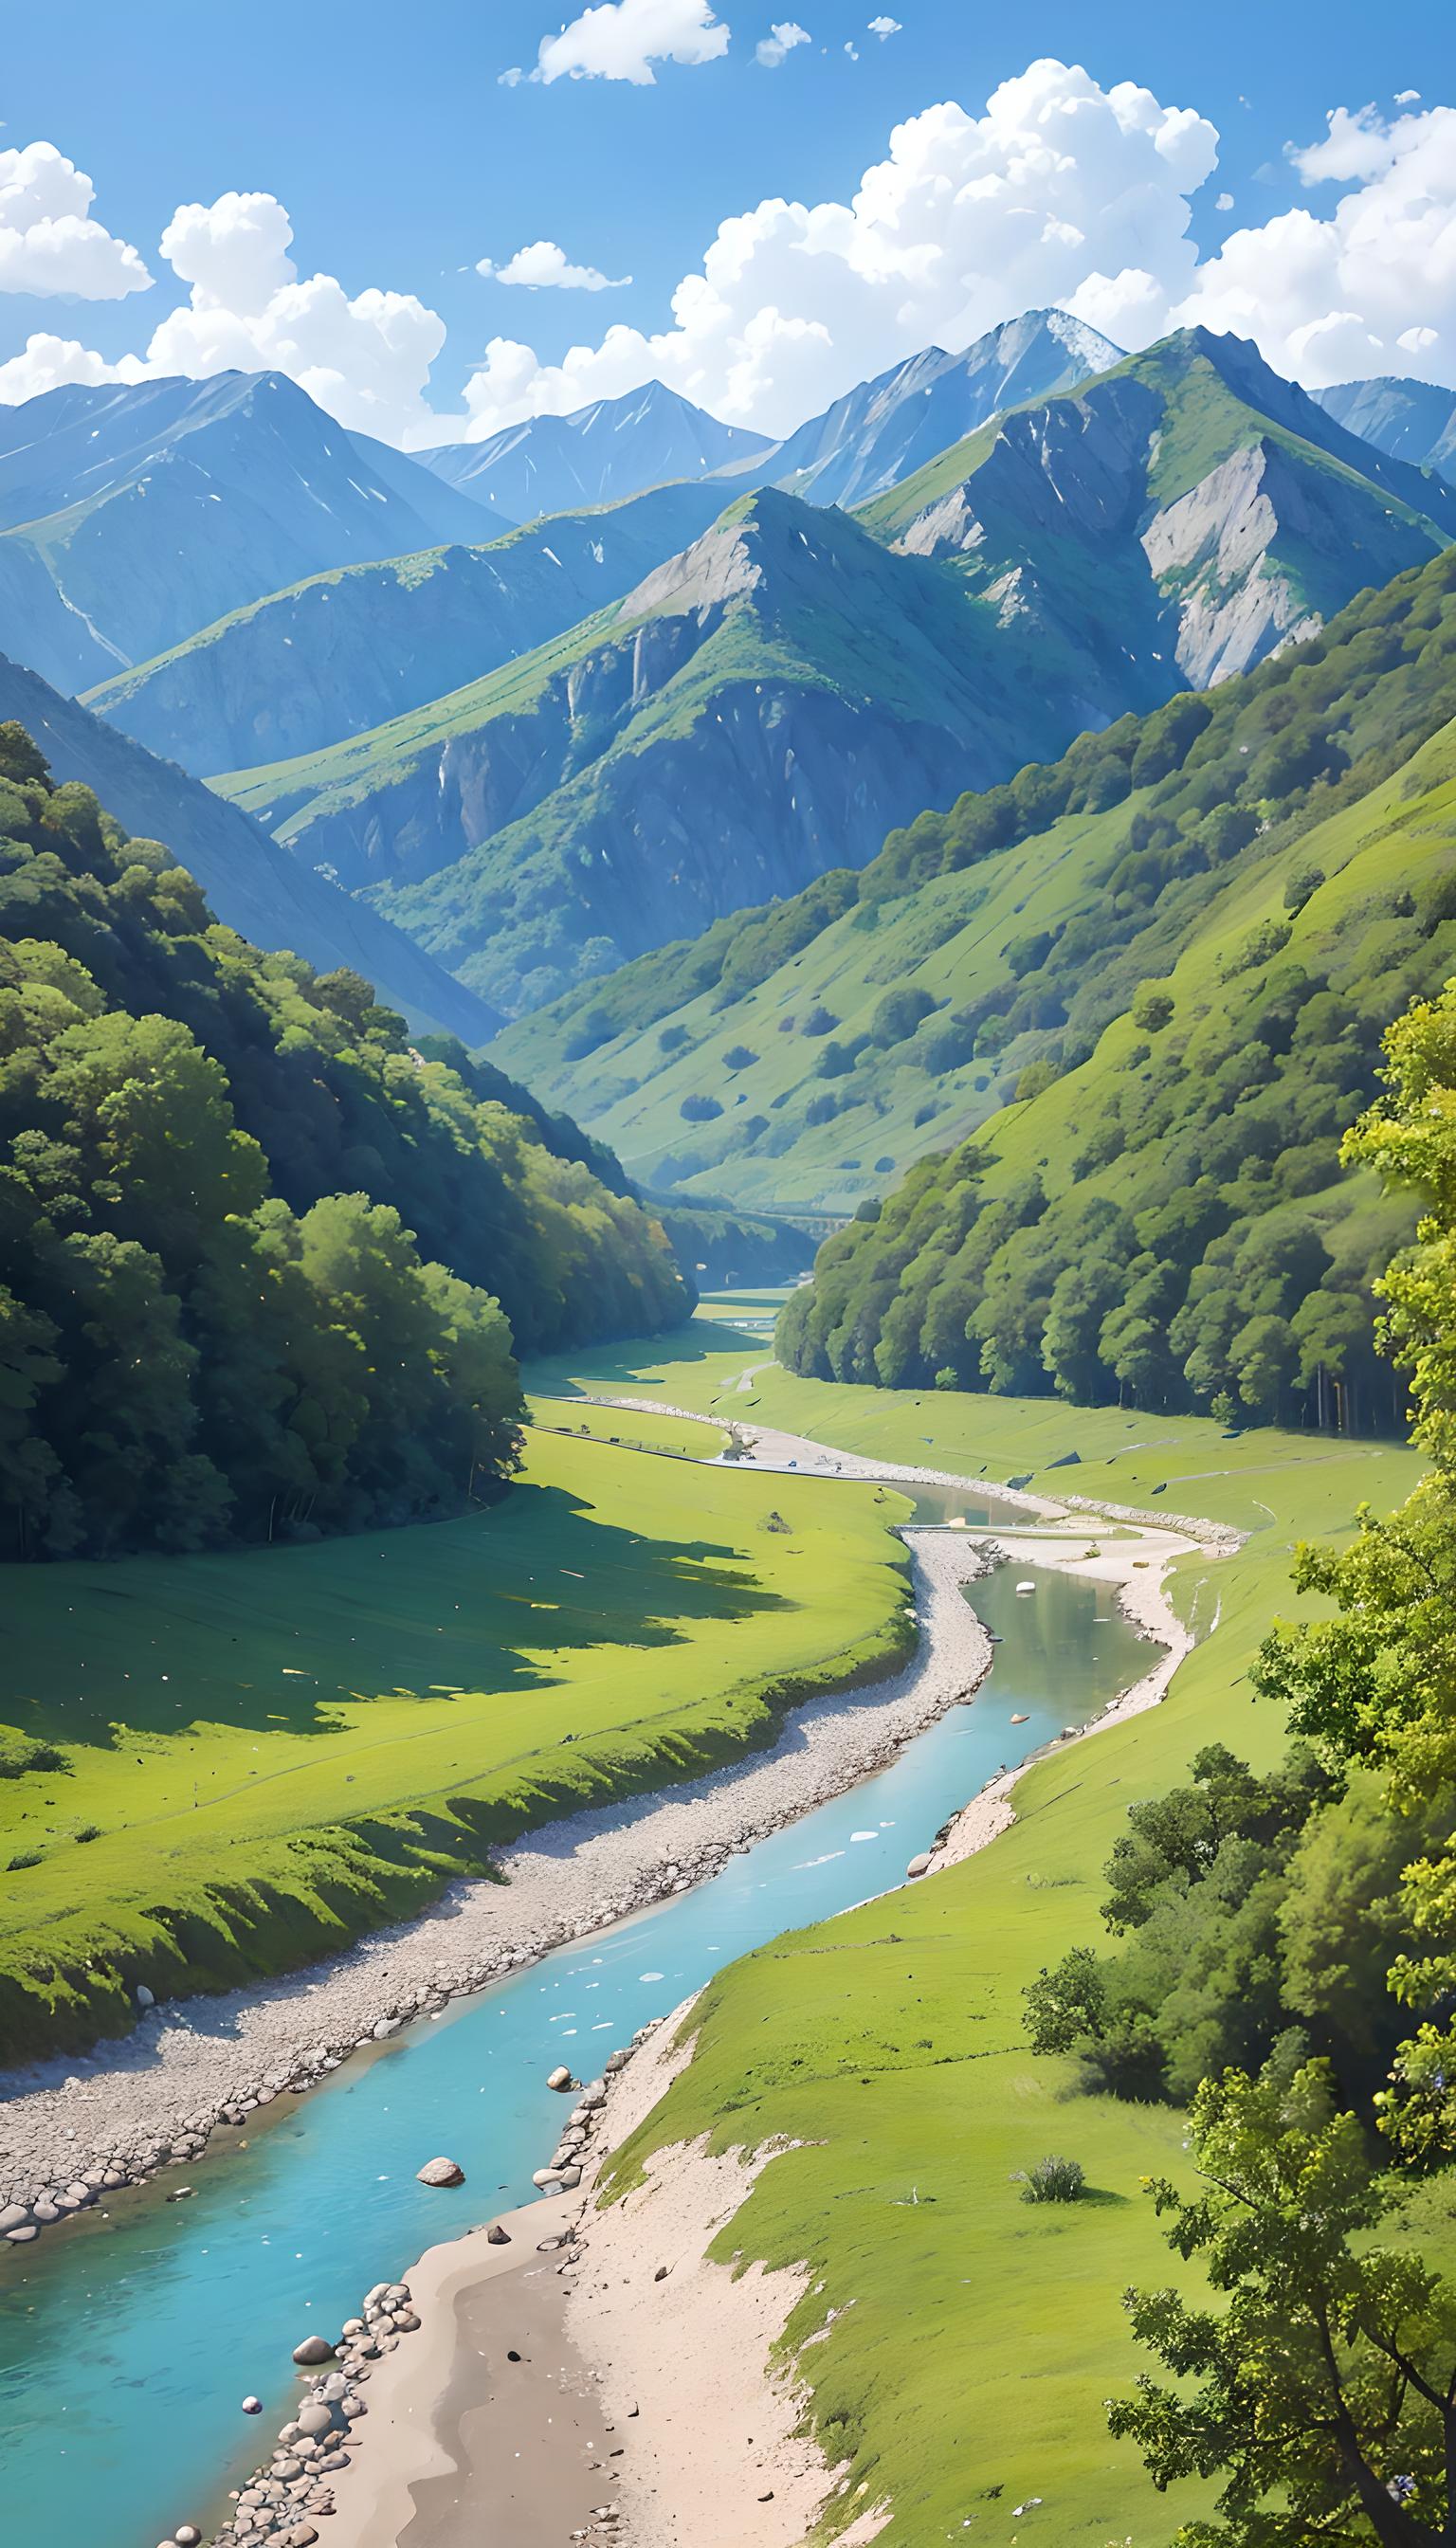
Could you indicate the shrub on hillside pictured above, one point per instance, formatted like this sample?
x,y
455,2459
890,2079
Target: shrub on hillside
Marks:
x,y
1055,2180
699,1110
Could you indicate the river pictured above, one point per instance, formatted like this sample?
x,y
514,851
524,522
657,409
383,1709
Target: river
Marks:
x,y
126,2341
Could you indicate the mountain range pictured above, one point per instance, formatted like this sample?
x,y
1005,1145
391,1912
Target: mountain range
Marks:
x,y
888,428
353,647
767,702
546,752
554,464
1006,966
130,516
1412,420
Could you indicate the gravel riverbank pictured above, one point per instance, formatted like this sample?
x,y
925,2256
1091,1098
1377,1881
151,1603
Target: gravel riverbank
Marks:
x,y
74,2131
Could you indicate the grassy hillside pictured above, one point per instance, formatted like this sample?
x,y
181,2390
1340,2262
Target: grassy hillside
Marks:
x,y
973,2338
1167,1221
815,1049
223,1765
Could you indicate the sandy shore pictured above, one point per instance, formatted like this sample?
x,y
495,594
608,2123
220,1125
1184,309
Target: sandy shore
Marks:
x,y
597,2378
456,2426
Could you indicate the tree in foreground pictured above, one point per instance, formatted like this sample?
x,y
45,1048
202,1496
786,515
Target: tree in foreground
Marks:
x,y
1322,2394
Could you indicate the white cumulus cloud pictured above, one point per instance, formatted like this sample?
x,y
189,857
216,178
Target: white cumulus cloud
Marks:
x,y
366,358
543,266
781,39
51,362
621,40
1340,293
49,242
1061,192
882,27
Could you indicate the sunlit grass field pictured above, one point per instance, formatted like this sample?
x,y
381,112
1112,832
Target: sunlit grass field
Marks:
x,y
249,1757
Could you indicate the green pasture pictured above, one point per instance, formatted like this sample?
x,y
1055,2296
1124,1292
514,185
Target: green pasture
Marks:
x,y
629,1430
247,1758
976,2336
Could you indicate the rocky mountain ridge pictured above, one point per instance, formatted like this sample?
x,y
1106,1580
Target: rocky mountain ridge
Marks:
x,y
132,515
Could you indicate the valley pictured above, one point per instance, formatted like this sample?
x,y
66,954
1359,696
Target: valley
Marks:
x,y
728,1286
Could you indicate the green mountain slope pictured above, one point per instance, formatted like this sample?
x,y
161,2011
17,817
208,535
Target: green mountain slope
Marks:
x,y
770,702
807,1053
1159,1215
1189,508
257,1254
350,648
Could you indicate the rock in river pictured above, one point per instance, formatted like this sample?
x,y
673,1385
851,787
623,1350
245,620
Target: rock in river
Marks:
x,y
560,2079
441,2171
315,2348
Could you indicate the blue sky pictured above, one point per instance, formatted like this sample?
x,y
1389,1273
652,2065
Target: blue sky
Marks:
x,y
401,161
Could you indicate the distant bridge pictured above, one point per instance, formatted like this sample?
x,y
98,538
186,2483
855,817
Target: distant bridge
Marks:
x,y
814,1225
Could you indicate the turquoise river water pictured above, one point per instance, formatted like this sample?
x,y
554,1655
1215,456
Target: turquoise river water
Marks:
x,y
126,2341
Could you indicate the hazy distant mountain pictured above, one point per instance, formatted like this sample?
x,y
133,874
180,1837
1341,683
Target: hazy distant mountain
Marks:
x,y
356,646
1410,419
552,464
250,881
888,428
132,515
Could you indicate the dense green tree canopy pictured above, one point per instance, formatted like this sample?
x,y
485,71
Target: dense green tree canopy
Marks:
x,y
260,1258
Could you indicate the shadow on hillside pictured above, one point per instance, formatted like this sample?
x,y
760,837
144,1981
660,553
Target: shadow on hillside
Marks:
x,y
273,1640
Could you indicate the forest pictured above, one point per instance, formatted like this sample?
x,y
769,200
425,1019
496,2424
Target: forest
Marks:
x,y
265,1266
1162,1221
1285,1966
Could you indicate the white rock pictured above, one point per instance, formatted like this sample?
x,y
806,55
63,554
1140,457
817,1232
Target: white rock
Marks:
x,y
441,2171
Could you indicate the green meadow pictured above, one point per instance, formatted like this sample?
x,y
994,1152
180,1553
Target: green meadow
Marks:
x,y
974,2337
226,1764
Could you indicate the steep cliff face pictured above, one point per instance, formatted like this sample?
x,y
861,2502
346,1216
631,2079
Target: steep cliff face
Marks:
x,y
774,785
348,650
1170,524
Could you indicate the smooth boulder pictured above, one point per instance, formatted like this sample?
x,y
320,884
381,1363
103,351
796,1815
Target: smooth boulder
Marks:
x,y
441,2171
560,2079
496,2236
315,2348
